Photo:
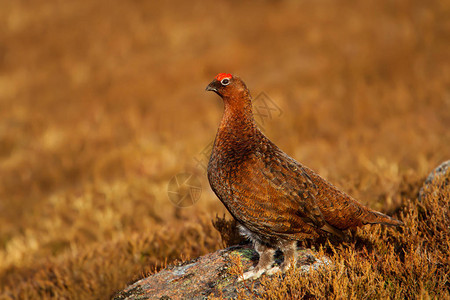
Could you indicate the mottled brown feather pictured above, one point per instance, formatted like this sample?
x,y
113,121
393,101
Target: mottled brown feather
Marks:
x,y
272,196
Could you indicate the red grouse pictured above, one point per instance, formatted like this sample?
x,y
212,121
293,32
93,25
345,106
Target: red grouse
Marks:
x,y
275,199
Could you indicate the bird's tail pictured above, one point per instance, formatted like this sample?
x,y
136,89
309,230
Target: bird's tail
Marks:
x,y
375,217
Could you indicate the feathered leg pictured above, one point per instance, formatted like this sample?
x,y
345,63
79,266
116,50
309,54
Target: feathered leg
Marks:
x,y
266,260
289,249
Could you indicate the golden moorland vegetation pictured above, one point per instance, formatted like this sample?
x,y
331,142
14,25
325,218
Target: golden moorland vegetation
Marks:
x,y
102,103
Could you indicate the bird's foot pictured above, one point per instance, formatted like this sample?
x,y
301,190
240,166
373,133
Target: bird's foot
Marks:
x,y
252,274
273,271
286,265
278,269
255,273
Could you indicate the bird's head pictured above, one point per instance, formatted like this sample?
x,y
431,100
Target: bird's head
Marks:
x,y
227,85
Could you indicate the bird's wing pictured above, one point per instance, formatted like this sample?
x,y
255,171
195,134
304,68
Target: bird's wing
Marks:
x,y
276,193
294,185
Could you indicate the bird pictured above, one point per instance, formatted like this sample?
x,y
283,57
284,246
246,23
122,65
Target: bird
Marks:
x,y
275,200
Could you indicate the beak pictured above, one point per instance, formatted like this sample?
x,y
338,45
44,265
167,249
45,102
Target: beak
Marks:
x,y
213,86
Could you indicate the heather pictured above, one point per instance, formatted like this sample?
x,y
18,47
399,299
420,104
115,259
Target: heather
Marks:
x,y
102,104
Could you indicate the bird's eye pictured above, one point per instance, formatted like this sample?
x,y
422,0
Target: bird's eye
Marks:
x,y
225,81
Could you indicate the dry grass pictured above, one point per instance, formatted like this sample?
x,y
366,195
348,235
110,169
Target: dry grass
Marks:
x,y
102,104
407,263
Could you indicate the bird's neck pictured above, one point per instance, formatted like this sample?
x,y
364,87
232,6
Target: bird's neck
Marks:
x,y
237,120
238,134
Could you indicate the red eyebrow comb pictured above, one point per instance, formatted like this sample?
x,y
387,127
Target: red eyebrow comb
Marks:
x,y
223,75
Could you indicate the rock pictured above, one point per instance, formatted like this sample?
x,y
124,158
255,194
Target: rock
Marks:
x,y
210,275
441,170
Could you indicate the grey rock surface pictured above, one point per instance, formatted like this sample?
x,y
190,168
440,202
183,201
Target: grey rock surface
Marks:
x,y
439,171
209,276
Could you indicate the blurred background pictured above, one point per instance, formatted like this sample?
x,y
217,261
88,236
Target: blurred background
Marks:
x,y
102,104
